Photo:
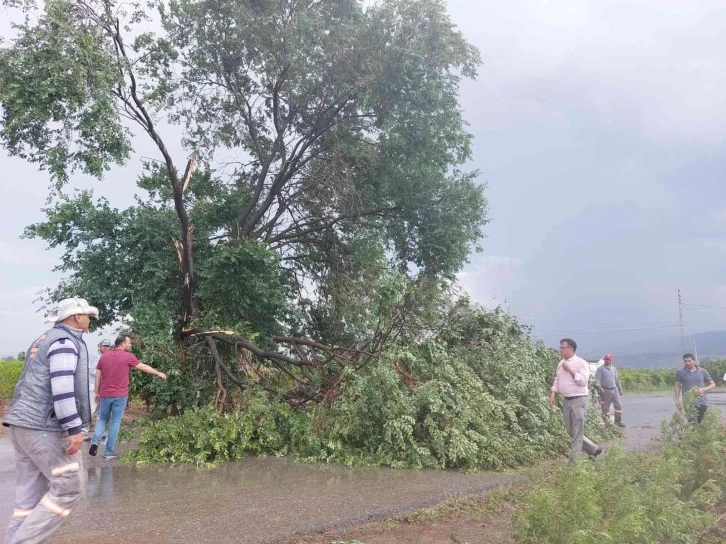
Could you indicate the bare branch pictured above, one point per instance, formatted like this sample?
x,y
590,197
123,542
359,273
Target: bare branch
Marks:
x,y
188,172
218,361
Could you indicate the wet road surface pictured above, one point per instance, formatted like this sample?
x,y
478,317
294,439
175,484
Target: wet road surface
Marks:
x,y
252,500
644,413
270,499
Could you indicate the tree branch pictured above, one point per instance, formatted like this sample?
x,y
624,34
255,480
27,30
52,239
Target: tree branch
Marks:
x,y
218,360
288,235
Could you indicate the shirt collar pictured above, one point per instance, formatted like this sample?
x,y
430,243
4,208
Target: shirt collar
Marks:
x,y
72,330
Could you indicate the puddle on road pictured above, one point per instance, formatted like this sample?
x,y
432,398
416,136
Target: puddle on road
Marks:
x,y
264,499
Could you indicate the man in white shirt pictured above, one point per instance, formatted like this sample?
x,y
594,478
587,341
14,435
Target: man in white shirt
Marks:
x,y
571,381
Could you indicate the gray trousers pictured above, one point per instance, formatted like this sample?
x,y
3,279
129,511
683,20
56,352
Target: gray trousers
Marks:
x,y
47,483
573,412
608,397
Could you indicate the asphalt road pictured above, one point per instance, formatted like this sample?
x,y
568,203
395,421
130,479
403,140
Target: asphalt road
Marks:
x,y
644,413
271,499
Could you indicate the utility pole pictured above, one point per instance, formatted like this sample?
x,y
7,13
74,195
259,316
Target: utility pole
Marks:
x,y
695,350
680,321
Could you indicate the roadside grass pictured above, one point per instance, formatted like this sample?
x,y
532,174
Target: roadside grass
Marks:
x,y
676,494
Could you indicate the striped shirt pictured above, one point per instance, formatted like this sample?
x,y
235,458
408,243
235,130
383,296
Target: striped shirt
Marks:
x,y
62,360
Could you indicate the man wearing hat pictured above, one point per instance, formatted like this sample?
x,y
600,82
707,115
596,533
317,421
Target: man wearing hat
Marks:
x,y
103,347
50,406
608,385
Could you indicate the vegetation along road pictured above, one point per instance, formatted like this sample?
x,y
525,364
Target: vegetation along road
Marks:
x,y
273,499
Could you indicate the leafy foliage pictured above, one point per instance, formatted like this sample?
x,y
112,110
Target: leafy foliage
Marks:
x,y
641,381
619,501
325,197
9,374
66,118
346,143
472,396
203,437
716,368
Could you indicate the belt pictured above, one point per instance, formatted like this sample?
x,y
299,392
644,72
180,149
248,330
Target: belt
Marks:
x,y
575,397
610,388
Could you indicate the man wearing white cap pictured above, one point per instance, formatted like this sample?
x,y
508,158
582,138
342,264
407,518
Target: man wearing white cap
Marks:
x,y
104,346
50,407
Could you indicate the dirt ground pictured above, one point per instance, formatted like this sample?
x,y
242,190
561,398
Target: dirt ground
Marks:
x,y
478,519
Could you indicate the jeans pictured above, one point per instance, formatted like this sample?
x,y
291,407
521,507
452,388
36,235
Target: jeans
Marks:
x,y
113,408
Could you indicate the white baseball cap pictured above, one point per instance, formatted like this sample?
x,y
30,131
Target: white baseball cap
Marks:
x,y
71,306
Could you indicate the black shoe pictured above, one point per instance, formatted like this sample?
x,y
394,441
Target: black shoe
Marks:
x,y
93,450
594,455
620,424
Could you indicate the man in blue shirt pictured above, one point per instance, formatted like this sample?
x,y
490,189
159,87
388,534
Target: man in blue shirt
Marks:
x,y
693,377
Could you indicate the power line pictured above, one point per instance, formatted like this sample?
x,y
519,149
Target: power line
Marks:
x,y
705,306
680,324
616,331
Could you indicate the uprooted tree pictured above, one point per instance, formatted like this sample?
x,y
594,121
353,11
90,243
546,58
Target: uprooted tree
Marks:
x,y
321,211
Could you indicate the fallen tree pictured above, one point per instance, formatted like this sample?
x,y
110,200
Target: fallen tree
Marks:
x,y
471,394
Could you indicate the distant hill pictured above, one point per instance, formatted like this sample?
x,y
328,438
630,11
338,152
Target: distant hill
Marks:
x,y
667,353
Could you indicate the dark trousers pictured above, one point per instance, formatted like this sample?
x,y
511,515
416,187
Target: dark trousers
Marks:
x,y
701,413
698,415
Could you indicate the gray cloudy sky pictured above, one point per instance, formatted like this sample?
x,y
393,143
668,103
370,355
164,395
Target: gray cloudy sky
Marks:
x,y
599,130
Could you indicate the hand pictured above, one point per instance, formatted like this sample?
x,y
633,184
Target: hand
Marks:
x,y
162,376
98,399
567,368
600,390
698,391
553,400
620,392
74,444
678,404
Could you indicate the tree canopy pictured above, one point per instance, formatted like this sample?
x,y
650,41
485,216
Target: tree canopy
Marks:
x,y
324,190
307,249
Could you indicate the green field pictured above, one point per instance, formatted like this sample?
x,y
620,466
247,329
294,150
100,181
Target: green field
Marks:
x,y
663,379
9,374
642,381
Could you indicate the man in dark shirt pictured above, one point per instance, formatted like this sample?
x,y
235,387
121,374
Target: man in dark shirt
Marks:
x,y
112,392
692,376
